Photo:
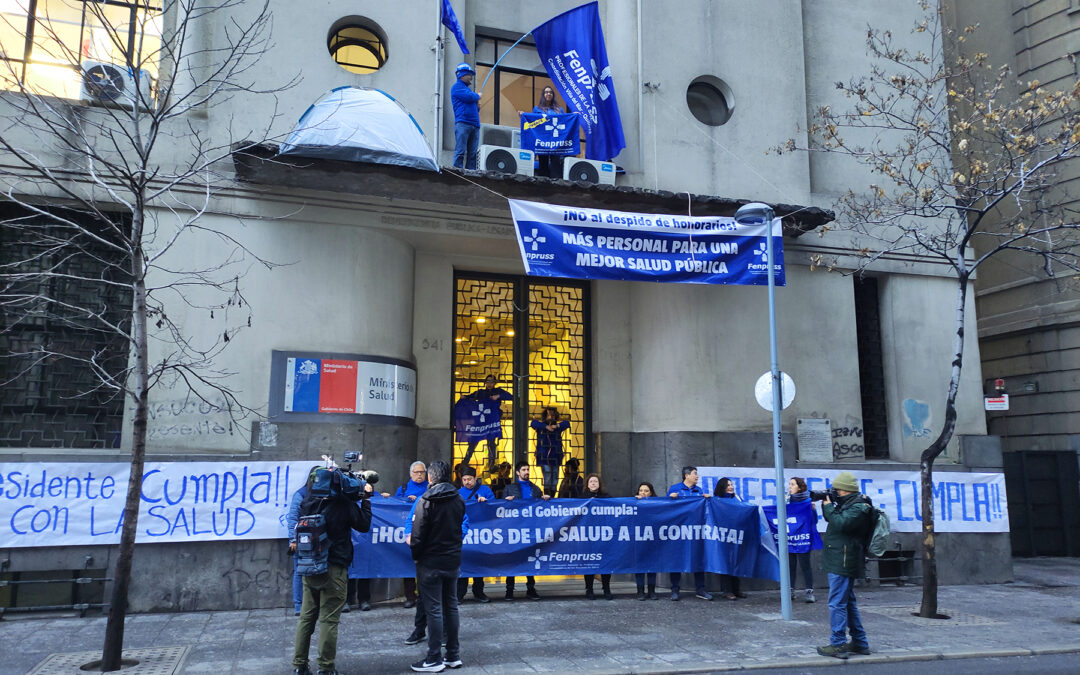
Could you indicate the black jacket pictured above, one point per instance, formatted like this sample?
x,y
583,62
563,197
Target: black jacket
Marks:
x,y
593,495
436,528
514,490
342,515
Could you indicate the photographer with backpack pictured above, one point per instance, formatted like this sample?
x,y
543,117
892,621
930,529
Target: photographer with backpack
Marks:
x,y
851,519
324,550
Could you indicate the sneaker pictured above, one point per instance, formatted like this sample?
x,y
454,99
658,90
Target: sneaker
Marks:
x,y
452,663
608,595
296,613
423,666
703,594
532,594
589,595
306,670
409,604
415,638
346,609
653,595
480,597
640,594
810,596
365,606
852,648
833,651
674,595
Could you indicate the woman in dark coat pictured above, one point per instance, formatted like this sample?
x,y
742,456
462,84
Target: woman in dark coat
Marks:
x,y
729,584
594,488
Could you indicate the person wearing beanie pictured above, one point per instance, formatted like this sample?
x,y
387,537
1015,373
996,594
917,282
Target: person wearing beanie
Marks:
x,y
842,558
466,117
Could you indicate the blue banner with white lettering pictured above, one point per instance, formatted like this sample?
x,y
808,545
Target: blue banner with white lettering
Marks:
x,y
571,47
583,536
551,134
576,243
477,420
802,531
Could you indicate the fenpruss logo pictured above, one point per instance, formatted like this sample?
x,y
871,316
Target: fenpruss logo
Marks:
x,y
538,558
534,239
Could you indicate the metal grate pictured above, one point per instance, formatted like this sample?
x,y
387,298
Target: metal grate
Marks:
x,y
909,614
154,661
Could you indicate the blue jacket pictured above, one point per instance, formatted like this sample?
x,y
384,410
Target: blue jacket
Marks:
x,y
412,513
294,510
465,108
411,488
516,489
481,491
549,443
684,491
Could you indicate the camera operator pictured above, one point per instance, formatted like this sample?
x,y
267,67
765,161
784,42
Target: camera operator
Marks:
x,y
334,495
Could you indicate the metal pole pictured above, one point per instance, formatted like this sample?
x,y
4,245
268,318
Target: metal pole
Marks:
x,y
778,451
436,130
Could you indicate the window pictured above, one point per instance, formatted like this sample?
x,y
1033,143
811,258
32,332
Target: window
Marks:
x,y
44,42
710,100
357,45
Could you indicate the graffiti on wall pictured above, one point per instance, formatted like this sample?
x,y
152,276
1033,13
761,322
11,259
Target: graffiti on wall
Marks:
x,y
917,418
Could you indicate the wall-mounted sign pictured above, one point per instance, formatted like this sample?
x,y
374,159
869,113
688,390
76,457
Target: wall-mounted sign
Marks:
x,y
996,402
350,386
814,436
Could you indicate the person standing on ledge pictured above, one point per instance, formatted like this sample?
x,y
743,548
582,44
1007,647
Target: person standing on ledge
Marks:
x,y
466,118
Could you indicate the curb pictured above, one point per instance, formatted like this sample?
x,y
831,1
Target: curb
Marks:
x,y
818,661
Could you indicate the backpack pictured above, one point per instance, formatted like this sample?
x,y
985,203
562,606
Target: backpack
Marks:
x,y
878,532
312,544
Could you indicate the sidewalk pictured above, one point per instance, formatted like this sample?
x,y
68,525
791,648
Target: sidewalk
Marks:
x,y
1038,613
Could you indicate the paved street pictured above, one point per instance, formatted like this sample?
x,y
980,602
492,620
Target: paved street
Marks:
x,y
1037,614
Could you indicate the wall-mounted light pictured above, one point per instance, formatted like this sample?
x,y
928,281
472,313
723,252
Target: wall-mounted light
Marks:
x,y
1031,386
510,333
481,319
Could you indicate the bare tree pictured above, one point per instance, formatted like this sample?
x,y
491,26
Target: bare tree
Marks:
x,y
108,198
965,170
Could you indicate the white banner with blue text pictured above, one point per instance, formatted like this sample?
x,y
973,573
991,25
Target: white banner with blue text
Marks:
x,y
74,504
963,502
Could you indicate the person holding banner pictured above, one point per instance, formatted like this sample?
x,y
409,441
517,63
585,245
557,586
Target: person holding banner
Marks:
x,y
466,118
411,490
594,489
550,165
549,452
496,395
688,488
472,491
798,492
572,485
525,490
646,491
729,583
843,558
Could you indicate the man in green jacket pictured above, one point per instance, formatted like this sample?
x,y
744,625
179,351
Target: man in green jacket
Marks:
x,y
849,523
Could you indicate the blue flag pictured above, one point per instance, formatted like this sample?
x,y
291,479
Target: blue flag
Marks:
x,y
571,47
449,19
550,134
477,420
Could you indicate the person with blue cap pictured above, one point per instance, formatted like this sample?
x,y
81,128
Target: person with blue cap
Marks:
x,y
466,117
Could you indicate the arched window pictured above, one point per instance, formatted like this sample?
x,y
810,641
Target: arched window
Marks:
x,y
357,46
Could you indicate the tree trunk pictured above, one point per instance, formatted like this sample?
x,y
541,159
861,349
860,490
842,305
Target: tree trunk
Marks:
x,y
929,607
114,628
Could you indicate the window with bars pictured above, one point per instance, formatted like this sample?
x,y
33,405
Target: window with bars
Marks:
x,y
43,43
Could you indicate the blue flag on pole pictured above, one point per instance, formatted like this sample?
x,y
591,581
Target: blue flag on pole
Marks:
x,y
571,47
449,19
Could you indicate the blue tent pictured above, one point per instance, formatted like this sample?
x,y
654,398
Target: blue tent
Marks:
x,y
360,125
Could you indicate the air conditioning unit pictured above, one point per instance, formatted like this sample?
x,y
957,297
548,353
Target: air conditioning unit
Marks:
x,y
589,171
494,134
111,84
506,160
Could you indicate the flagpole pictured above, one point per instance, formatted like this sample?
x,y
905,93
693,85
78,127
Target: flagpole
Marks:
x,y
488,76
436,129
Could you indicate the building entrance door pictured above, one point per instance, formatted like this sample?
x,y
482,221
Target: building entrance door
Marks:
x,y
532,336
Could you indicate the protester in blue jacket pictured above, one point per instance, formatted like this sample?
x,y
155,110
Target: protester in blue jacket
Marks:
x,y
688,488
549,452
290,519
473,491
525,490
416,486
495,396
466,117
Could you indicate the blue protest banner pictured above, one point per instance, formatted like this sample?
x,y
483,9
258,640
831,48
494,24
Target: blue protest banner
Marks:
x,y
576,243
571,47
803,536
547,134
477,420
584,536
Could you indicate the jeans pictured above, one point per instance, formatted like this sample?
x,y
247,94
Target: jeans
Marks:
x,y
803,560
477,586
640,579
297,588
438,592
493,447
844,612
324,597
551,477
699,581
466,142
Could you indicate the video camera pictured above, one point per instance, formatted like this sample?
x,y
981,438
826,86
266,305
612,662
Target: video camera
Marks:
x,y
818,495
337,482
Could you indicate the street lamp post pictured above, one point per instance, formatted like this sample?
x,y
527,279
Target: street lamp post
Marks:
x,y
762,214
